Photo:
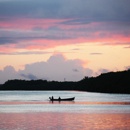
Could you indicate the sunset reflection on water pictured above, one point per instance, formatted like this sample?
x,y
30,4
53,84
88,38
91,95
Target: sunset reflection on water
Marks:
x,y
67,102
63,121
32,110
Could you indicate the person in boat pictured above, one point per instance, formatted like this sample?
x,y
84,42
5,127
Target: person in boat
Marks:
x,y
52,98
59,98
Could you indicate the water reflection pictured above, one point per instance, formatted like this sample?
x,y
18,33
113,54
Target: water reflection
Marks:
x,y
71,107
61,102
64,121
34,111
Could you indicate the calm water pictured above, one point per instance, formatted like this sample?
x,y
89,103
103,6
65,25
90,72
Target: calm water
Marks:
x,y
31,110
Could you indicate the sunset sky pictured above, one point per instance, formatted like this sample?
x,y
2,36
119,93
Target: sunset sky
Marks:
x,y
63,39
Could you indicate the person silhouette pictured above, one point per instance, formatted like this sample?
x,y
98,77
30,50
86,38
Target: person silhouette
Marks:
x,y
52,98
59,98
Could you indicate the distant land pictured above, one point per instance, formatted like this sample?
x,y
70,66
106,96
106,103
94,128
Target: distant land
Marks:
x,y
112,82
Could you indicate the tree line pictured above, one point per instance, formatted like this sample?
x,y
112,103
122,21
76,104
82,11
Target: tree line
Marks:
x,y
112,82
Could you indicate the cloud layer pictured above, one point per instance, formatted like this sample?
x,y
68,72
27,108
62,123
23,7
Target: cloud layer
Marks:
x,y
46,23
57,67
97,10
89,28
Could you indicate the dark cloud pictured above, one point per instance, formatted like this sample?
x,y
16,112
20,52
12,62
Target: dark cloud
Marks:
x,y
89,33
15,36
93,10
77,21
29,8
14,40
29,76
75,70
95,53
116,43
7,40
76,49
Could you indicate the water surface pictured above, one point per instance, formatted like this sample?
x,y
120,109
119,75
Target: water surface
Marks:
x,y
23,110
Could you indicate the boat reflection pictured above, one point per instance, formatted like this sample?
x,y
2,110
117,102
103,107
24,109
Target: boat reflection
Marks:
x,y
61,102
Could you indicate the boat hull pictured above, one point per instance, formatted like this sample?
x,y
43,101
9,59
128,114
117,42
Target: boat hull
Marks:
x,y
62,99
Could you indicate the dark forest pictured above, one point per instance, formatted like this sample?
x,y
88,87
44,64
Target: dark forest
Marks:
x,y
112,82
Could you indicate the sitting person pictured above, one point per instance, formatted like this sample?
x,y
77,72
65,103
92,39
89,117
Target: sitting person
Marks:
x,y
59,98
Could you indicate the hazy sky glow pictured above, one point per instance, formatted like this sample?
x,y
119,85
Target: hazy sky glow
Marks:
x,y
63,39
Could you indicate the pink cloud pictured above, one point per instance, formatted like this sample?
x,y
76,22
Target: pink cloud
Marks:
x,y
42,44
48,33
7,48
29,23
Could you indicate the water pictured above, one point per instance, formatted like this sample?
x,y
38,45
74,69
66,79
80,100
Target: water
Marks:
x,y
31,110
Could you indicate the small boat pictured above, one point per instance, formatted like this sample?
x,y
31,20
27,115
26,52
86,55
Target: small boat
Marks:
x,y
62,99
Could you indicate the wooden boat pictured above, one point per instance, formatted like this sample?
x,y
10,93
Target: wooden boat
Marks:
x,y
62,99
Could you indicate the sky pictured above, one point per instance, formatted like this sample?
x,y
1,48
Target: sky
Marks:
x,y
63,40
